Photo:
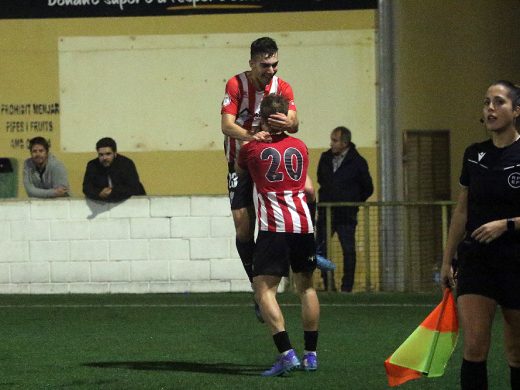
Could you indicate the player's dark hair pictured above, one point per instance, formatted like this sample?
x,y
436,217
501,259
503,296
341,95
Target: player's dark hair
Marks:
x,y
107,142
263,46
345,134
39,141
273,104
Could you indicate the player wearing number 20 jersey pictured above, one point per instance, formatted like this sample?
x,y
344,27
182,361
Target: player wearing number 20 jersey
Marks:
x,y
279,169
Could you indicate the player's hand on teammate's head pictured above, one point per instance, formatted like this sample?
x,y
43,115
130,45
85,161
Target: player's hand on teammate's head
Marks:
x,y
279,121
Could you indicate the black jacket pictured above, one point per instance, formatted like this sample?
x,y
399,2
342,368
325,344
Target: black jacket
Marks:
x,y
350,183
125,180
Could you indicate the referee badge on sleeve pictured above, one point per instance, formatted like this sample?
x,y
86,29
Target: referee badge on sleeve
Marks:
x,y
514,180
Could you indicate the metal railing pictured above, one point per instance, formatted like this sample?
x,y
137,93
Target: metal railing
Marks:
x,y
398,245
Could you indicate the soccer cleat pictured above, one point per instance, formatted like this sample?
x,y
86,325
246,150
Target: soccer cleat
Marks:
x,y
258,313
310,362
324,264
283,364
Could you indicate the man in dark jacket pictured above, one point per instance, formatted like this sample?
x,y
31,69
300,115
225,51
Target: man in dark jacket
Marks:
x,y
111,177
343,176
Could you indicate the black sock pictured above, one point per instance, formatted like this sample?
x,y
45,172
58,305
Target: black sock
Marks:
x,y
473,375
282,342
311,339
515,378
245,250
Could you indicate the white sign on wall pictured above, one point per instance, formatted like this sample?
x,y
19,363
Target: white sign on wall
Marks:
x,y
163,92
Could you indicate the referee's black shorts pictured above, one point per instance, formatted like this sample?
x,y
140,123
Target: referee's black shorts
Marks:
x,y
275,252
491,270
240,189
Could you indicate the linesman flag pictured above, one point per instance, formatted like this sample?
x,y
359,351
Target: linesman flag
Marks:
x,y
427,350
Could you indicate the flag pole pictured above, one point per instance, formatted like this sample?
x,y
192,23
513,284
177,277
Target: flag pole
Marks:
x,y
437,331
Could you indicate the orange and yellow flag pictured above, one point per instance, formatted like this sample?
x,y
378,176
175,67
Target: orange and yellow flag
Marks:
x,y
427,350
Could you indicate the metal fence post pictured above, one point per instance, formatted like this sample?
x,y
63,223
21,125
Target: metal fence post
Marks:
x,y
366,244
328,219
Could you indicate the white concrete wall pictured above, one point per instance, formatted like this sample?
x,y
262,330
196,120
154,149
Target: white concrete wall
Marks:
x,y
142,245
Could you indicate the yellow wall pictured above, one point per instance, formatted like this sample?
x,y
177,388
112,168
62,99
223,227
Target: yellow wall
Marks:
x,y
447,54
29,74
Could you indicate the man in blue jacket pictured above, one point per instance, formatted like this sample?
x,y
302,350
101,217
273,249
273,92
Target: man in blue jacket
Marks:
x,y
343,176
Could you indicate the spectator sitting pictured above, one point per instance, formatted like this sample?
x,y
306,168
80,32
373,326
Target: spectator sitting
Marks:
x,y
44,176
111,177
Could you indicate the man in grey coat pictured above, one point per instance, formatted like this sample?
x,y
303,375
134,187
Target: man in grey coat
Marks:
x,y
44,176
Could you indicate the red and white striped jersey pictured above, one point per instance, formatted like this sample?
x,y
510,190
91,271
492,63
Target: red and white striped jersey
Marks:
x,y
242,100
278,170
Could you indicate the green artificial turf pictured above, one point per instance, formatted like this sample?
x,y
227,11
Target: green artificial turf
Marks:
x,y
209,341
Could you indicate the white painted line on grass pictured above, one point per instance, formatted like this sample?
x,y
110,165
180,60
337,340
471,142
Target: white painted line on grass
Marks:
x,y
201,305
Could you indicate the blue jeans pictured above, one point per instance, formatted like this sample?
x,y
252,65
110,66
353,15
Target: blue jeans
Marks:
x,y
347,237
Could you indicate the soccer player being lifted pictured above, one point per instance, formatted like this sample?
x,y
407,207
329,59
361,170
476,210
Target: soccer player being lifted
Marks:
x,y
240,124
285,239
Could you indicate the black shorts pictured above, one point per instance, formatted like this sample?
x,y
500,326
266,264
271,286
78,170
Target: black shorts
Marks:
x,y
274,252
491,270
240,191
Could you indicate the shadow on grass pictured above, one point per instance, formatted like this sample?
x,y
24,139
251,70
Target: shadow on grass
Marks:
x,y
208,368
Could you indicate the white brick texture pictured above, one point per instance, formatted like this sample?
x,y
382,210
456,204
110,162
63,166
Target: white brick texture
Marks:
x,y
209,248
14,251
49,250
110,229
131,208
48,288
223,269
222,227
189,270
170,206
190,227
69,230
70,272
91,250
30,273
5,231
4,273
150,227
210,206
51,209
150,271
171,244
170,249
88,209
116,271
129,288
30,230
14,211
129,250
89,288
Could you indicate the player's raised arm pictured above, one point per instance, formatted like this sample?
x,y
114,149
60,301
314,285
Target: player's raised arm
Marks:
x,y
231,129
